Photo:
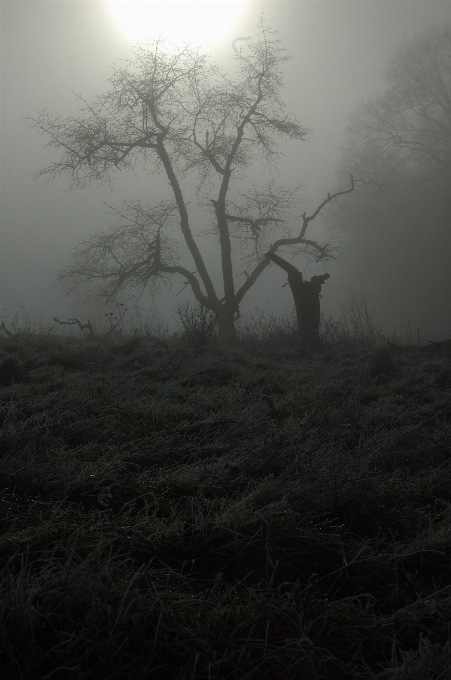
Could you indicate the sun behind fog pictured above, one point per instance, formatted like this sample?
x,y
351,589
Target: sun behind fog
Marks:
x,y
201,22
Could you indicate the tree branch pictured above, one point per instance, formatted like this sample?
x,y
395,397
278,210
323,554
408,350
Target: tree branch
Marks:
x,y
251,279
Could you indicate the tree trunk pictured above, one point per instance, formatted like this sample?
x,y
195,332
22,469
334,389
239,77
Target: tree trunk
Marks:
x,y
226,324
306,300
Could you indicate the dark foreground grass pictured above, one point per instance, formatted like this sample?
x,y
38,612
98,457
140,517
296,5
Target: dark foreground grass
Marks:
x,y
170,511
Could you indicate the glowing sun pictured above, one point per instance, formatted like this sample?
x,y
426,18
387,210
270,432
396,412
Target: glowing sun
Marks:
x,y
201,22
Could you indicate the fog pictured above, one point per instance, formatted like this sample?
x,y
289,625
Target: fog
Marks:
x,y
339,49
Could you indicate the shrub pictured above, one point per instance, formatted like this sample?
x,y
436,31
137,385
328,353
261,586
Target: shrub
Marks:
x,y
198,323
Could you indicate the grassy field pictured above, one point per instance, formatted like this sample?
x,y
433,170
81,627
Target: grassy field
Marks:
x,y
178,509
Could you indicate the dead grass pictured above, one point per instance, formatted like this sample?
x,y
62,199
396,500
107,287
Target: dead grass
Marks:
x,y
171,510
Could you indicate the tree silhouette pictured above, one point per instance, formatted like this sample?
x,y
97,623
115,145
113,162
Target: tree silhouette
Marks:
x,y
192,121
399,141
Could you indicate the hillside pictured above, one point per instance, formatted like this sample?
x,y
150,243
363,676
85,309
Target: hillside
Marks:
x,y
174,508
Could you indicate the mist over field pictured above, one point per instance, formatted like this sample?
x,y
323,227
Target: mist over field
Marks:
x,y
264,493
394,249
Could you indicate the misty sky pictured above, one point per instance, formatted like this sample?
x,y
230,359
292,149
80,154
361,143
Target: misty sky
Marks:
x,y
50,50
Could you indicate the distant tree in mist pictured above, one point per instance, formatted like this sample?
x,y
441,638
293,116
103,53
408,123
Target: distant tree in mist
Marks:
x,y
204,129
400,141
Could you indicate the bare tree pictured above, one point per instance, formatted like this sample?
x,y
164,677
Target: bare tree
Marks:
x,y
404,134
399,141
306,294
190,119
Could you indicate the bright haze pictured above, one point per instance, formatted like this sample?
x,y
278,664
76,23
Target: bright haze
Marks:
x,y
53,51
202,23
